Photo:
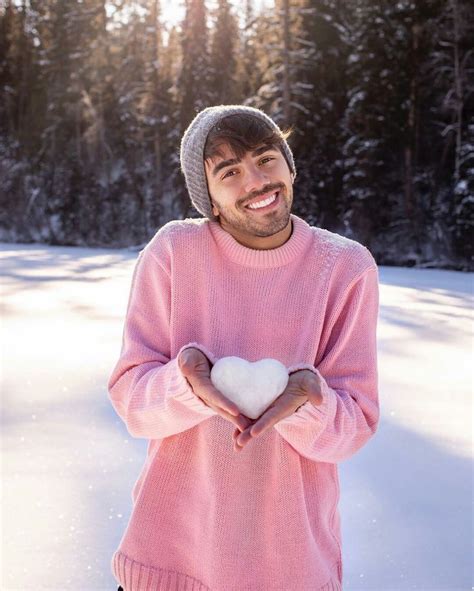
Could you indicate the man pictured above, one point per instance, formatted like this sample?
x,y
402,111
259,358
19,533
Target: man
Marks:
x,y
224,502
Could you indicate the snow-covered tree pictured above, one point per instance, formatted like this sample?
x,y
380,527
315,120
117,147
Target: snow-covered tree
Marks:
x,y
248,66
195,92
321,45
451,66
385,185
224,39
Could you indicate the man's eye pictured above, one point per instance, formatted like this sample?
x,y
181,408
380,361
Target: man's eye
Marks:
x,y
262,161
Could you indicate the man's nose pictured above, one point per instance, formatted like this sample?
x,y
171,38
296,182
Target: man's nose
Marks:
x,y
255,179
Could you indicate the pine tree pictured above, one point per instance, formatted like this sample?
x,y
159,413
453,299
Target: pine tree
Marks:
x,y
269,52
384,185
248,67
194,78
17,68
155,110
19,123
222,80
321,45
452,65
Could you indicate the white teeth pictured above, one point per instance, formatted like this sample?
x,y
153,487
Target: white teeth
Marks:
x,y
263,203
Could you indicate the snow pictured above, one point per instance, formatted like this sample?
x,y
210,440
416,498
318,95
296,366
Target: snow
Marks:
x,y
69,465
252,386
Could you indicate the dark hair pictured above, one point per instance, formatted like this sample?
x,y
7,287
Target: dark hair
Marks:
x,y
243,133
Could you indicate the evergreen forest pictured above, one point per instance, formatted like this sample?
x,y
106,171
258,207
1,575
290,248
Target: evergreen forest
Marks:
x,y
96,94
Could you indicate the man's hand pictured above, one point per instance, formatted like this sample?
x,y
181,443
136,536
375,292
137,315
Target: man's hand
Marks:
x,y
302,385
195,367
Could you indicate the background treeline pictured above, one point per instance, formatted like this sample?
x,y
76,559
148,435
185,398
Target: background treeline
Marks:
x,y
95,95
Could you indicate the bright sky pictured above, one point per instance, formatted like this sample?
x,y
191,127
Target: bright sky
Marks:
x,y
173,10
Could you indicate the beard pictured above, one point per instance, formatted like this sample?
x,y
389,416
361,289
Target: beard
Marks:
x,y
256,224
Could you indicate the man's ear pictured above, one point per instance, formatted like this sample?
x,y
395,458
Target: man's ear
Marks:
x,y
215,211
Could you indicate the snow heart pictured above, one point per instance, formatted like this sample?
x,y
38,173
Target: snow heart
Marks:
x,y
252,386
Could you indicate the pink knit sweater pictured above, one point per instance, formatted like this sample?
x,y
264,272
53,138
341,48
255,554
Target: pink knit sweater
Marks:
x,y
204,516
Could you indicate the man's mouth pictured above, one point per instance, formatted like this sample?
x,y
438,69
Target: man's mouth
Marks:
x,y
265,202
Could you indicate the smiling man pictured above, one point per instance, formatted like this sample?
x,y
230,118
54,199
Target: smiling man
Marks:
x,y
223,502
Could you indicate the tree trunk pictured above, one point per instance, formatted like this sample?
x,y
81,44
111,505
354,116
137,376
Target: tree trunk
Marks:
x,y
457,91
411,139
286,63
154,208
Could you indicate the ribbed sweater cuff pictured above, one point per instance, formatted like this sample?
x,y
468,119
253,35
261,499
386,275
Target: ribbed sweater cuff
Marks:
x,y
181,390
299,366
201,348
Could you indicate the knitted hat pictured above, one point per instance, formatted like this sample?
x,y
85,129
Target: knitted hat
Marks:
x,y
192,150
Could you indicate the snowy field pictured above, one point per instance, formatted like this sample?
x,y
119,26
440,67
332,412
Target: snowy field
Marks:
x,y
69,465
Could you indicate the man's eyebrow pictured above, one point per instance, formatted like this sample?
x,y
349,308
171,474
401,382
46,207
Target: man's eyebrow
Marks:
x,y
232,161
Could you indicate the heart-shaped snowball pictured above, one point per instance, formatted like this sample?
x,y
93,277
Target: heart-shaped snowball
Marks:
x,y
251,386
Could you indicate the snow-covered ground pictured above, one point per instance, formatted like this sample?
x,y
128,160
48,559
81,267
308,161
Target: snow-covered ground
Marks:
x,y
69,465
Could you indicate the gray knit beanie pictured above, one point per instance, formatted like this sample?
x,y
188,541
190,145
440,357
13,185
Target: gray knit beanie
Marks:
x,y
192,150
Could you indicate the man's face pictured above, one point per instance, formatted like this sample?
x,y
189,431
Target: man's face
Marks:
x,y
236,187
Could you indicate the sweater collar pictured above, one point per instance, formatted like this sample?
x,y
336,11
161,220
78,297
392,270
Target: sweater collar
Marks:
x,y
293,248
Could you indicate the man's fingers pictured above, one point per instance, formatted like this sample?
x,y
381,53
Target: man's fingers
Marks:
x,y
217,398
195,367
225,403
265,422
243,438
210,395
269,418
315,398
240,421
